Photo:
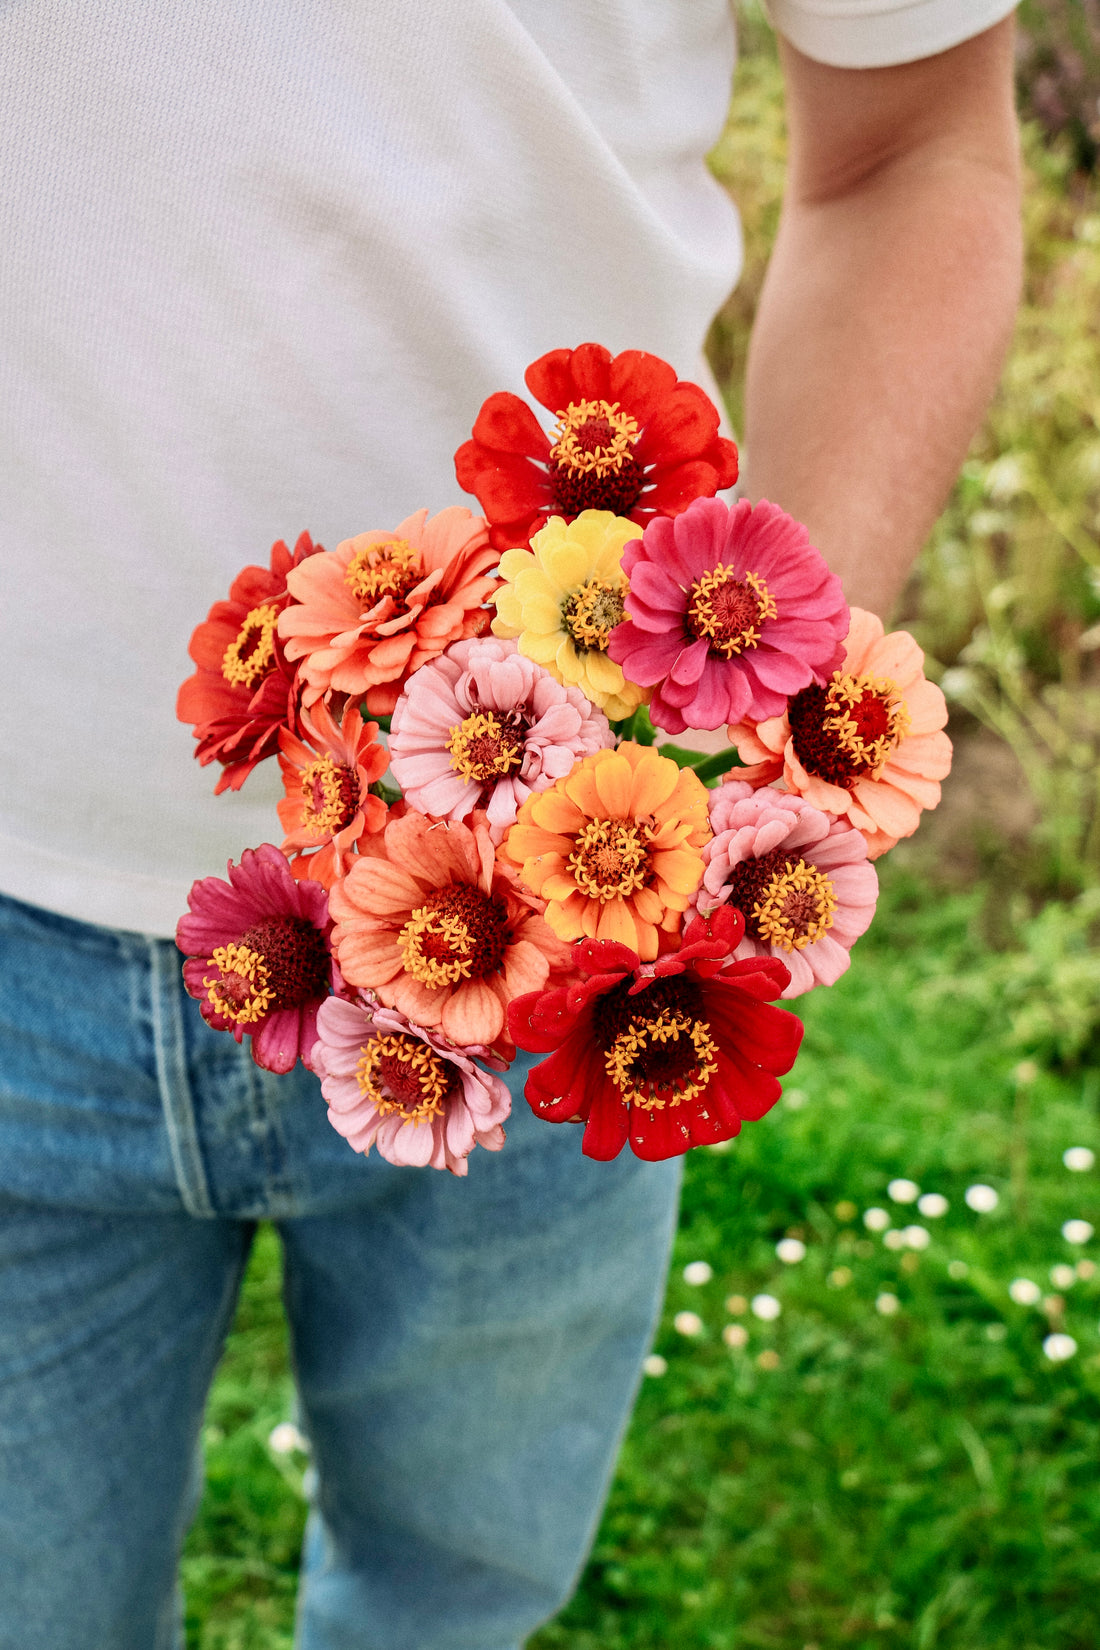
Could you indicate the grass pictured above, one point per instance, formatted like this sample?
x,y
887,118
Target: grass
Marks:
x,y
847,1477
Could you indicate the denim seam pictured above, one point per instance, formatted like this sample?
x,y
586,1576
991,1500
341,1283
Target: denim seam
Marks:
x,y
175,1086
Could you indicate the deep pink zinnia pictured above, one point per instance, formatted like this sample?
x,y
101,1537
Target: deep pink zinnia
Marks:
x,y
728,608
669,1056
484,727
800,878
395,1085
258,956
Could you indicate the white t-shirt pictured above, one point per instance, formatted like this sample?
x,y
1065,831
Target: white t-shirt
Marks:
x,y
262,262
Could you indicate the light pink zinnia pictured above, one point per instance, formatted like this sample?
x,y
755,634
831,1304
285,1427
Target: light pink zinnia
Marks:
x,y
800,878
484,727
729,612
395,1085
258,956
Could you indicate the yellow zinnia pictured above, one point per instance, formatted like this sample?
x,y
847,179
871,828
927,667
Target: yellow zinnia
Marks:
x,y
563,597
615,848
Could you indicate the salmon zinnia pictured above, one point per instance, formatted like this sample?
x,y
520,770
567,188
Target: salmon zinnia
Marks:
x,y
328,804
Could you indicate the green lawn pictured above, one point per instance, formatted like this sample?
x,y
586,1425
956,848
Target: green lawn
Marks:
x,y
919,1477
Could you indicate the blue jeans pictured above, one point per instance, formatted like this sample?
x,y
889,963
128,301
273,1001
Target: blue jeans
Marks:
x,y
466,1351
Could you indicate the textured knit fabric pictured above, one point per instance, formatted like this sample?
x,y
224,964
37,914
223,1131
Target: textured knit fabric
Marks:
x,y
872,34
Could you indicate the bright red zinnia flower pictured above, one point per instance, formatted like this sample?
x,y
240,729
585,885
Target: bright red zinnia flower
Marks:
x,y
667,1057
631,438
244,689
258,956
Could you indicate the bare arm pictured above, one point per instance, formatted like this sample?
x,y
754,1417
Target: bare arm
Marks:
x,y
889,300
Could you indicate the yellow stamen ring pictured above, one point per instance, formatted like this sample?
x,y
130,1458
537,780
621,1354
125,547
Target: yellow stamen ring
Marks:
x,y
240,991
252,654
611,859
436,948
331,792
591,613
483,748
796,908
383,570
640,1037
728,611
574,448
847,695
403,1062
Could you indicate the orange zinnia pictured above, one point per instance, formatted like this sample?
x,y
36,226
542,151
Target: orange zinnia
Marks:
x,y
615,848
382,604
869,744
328,804
439,929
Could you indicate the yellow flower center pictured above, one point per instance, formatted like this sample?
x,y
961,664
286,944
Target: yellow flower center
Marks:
x,y
866,718
796,908
729,612
399,1073
591,613
331,791
241,990
594,437
459,933
483,748
252,654
610,859
661,1060
383,570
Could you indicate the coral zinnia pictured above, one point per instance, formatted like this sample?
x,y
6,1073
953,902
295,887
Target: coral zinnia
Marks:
x,y
867,745
381,604
399,1087
562,599
440,930
799,877
258,956
328,805
729,612
615,848
669,1057
244,690
483,727
631,438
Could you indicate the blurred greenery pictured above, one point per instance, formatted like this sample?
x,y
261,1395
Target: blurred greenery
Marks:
x,y
894,1461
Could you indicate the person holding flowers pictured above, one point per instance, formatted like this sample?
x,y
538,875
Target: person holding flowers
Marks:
x,y
264,271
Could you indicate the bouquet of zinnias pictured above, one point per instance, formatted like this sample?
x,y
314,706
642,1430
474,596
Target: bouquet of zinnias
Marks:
x,y
540,872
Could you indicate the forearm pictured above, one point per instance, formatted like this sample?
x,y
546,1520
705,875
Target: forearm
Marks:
x,y
883,323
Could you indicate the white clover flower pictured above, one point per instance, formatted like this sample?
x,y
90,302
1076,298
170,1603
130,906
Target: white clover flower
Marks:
x,y
840,1277
688,1323
765,1307
720,1146
655,1364
982,1199
285,1439
917,1237
1059,1347
1063,1277
903,1191
886,1303
790,1251
1025,1292
957,1269
932,1205
876,1220
736,1336
1077,1231
894,1239
1085,1269
795,1099
1079,1158
697,1272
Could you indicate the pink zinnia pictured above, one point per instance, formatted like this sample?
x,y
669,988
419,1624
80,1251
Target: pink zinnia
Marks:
x,y
799,877
258,956
395,1085
484,727
730,611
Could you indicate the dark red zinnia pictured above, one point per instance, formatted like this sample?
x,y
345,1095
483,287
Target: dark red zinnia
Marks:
x,y
244,690
669,1057
631,438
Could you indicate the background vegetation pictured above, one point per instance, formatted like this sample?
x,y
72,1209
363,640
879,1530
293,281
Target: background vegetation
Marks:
x,y
895,1460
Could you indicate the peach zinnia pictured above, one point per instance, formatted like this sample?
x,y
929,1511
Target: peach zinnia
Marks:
x,y
382,604
615,848
868,745
328,804
439,929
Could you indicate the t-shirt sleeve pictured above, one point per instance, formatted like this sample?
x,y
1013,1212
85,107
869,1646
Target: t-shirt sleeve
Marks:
x,y
871,34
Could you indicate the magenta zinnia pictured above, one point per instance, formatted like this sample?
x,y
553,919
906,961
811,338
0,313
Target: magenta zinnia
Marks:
x,y
258,956
667,1057
395,1085
729,612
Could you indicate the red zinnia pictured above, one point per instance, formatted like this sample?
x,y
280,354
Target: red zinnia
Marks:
x,y
669,1057
243,691
631,438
